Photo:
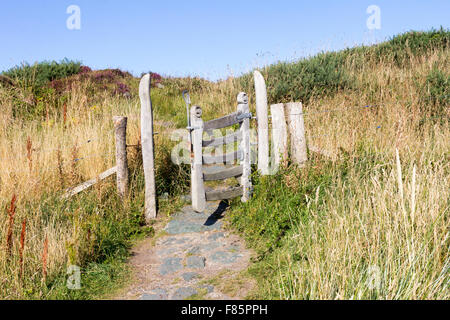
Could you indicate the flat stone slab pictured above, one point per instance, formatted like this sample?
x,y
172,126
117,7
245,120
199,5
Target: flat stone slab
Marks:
x,y
195,262
172,240
216,236
166,251
209,246
170,265
184,293
188,276
157,294
181,225
224,257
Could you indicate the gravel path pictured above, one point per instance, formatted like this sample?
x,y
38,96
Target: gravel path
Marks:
x,y
194,259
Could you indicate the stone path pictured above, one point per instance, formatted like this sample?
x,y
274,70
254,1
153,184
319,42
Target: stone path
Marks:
x,y
195,258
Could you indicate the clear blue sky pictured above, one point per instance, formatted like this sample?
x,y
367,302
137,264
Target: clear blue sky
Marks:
x,y
208,38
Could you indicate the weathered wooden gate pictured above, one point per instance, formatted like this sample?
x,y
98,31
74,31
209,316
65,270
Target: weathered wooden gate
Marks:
x,y
199,160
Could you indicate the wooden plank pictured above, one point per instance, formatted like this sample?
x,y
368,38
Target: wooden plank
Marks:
x,y
246,183
279,135
224,194
197,186
218,141
223,158
223,122
75,190
148,157
263,123
223,174
297,132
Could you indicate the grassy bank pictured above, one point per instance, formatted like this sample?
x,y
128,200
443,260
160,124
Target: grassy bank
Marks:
x,y
345,226
358,224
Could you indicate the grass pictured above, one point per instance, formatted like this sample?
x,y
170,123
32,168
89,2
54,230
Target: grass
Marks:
x,y
325,231
364,224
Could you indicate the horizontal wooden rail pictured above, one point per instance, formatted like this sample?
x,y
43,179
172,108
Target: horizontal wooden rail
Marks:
x,y
73,191
223,174
223,122
224,194
223,158
218,141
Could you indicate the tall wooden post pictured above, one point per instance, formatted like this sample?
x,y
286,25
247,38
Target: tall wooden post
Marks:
x,y
120,128
296,126
148,148
279,135
263,123
246,183
197,187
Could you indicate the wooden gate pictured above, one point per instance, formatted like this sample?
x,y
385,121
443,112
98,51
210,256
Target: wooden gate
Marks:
x,y
199,160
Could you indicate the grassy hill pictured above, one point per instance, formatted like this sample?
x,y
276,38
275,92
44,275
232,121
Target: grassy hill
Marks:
x,y
349,226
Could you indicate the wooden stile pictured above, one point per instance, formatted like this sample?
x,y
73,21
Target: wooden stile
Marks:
x,y
218,141
223,122
223,174
230,193
223,158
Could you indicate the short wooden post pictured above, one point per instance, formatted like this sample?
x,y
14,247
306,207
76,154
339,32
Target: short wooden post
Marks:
x,y
246,183
297,132
197,187
279,135
120,128
148,157
263,123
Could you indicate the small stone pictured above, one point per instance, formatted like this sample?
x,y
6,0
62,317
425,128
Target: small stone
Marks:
x,y
195,262
157,294
224,257
170,265
194,250
216,236
178,226
188,276
184,293
209,288
166,251
210,246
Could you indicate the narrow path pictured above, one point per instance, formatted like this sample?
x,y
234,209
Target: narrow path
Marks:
x,y
195,258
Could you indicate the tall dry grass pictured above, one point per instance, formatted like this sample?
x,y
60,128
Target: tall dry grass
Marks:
x,y
39,160
379,227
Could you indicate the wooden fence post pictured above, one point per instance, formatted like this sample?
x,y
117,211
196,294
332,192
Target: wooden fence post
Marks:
x,y
246,183
148,156
297,132
120,127
263,123
279,135
197,187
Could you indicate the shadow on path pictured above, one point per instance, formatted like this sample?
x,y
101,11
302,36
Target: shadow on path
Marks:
x,y
218,214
